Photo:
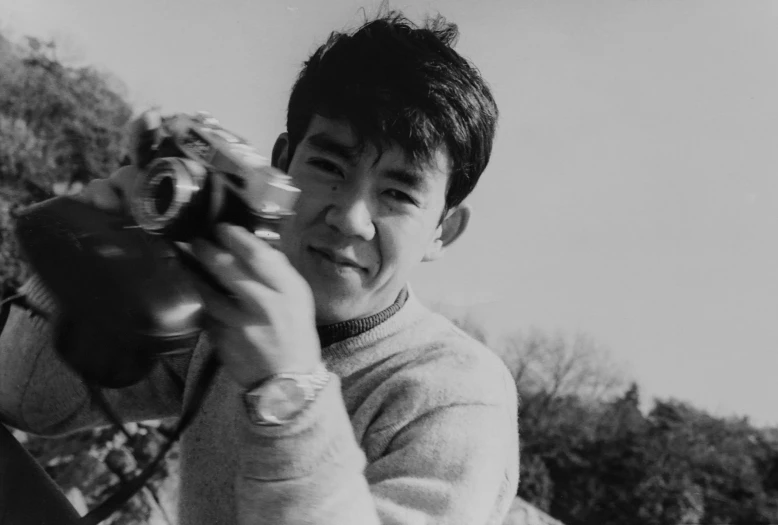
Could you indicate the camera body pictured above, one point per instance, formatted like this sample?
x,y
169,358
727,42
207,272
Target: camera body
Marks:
x,y
196,174
122,285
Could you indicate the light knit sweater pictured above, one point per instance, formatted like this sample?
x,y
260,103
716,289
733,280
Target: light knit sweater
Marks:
x,y
417,426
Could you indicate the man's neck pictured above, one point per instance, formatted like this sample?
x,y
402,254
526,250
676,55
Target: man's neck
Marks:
x,y
335,333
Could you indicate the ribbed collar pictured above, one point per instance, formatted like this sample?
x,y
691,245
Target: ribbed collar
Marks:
x,y
335,333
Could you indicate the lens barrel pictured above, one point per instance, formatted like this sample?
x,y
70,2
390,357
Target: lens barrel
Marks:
x,y
164,191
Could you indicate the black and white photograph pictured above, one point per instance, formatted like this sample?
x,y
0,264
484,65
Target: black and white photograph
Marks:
x,y
362,262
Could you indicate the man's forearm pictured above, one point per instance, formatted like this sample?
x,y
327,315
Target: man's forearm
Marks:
x,y
36,388
455,464
39,393
310,472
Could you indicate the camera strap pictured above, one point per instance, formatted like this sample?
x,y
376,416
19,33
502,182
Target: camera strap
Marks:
x,y
128,489
12,296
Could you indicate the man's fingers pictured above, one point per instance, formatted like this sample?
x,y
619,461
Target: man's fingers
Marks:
x,y
114,193
225,267
220,309
257,257
144,135
101,194
124,180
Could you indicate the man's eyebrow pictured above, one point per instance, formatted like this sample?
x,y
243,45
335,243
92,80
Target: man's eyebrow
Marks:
x,y
327,144
411,178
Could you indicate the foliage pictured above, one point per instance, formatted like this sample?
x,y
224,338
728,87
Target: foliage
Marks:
x,y
590,455
59,126
89,465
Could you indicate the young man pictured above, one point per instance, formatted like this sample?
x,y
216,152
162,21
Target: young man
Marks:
x,y
389,414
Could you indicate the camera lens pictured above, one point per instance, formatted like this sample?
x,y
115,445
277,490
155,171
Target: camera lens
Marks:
x,y
163,193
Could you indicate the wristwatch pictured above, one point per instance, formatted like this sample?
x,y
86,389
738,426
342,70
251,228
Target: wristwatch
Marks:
x,y
280,398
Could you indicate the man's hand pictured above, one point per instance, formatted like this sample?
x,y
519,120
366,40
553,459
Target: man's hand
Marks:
x,y
267,325
112,194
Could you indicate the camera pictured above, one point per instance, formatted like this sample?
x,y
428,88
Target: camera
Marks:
x,y
124,285
198,174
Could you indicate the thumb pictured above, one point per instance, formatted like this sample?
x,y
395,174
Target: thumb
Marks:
x,y
145,134
113,193
124,180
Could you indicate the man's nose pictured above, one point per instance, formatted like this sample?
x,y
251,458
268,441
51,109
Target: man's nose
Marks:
x,y
351,215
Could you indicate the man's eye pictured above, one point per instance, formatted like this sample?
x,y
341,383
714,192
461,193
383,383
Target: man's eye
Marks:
x,y
400,196
326,165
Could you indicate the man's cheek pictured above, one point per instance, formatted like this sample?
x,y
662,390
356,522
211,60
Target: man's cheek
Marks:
x,y
310,206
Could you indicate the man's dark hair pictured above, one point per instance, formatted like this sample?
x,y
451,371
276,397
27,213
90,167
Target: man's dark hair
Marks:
x,y
399,83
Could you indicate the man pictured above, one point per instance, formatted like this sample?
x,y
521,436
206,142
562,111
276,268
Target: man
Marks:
x,y
389,414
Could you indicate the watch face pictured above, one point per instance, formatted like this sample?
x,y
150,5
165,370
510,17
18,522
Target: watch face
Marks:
x,y
281,400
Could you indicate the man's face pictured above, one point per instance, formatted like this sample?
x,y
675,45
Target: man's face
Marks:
x,y
362,222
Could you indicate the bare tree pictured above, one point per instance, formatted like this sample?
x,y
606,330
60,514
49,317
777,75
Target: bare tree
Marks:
x,y
564,365
558,363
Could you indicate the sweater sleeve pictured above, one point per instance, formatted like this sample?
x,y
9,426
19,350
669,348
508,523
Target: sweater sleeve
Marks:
x,y
39,393
429,477
443,460
310,472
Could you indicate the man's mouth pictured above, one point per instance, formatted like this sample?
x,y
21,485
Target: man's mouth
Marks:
x,y
337,258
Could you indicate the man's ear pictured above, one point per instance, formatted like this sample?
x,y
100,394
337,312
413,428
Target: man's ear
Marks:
x,y
280,158
451,228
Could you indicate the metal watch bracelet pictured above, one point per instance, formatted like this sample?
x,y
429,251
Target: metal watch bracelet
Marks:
x,y
259,400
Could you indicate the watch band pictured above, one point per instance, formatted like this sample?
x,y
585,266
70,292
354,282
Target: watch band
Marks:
x,y
309,385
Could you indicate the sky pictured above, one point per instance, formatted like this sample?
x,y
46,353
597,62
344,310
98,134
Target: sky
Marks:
x,y
632,192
